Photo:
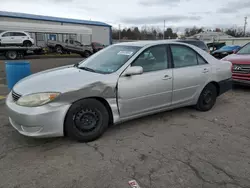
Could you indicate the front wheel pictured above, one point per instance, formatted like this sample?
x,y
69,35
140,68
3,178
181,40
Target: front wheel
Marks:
x,y
86,54
27,43
86,120
207,98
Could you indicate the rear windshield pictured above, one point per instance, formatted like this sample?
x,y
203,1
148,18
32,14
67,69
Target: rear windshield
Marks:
x,y
110,59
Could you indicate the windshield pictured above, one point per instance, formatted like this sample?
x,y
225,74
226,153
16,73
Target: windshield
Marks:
x,y
245,49
78,43
110,59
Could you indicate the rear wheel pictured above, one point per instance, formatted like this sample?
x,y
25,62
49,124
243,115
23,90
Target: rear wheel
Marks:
x,y
86,54
27,43
207,98
86,120
59,49
11,55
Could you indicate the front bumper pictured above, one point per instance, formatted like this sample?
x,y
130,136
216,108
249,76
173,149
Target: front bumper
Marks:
x,y
42,121
241,81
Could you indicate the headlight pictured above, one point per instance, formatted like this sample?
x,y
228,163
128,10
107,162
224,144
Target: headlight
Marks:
x,y
36,99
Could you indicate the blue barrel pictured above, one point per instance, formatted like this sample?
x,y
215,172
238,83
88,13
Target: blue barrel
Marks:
x,y
16,71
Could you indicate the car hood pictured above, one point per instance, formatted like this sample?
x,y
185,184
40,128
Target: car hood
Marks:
x,y
238,58
62,79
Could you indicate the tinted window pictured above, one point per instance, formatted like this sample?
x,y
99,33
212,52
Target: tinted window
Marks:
x,y
18,34
78,43
153,59
6,34
183,56
110,59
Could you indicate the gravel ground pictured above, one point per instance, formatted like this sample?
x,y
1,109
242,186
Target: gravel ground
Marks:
x,y
176,149
180,148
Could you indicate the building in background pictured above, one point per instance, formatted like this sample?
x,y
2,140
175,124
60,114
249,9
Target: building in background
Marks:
x,y
211,36
101,32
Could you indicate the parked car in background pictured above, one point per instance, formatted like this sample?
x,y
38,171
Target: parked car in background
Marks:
x,y
241,65
121,82
15,38
225,50
70,45
97,46
200,44
212,46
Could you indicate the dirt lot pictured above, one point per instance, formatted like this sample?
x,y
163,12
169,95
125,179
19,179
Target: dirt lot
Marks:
x,y
177,149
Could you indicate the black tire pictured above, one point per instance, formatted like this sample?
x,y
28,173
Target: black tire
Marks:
x,y
86,54
12,55
59,49
86,120
207,98
27,43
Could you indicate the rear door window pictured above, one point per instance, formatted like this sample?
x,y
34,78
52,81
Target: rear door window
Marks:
x,y
18,34
200,60
184,56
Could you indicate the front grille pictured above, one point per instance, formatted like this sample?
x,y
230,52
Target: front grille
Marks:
x,y
15,96
241,68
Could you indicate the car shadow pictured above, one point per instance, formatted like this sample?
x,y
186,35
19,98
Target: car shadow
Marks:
x,y
147,120
241,88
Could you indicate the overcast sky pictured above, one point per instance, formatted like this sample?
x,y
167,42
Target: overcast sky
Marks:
x,y
177,13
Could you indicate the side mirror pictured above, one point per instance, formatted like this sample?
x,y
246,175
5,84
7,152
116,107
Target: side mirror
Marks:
x,y
134,70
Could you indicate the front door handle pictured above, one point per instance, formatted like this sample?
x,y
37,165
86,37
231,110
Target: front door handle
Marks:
x,y
205,70
166,77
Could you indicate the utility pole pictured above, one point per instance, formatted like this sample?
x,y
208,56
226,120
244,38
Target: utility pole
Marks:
x,y
245,26
164,30
119,32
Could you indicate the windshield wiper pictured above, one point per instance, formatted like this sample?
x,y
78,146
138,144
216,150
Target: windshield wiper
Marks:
x,y
77,64
87,69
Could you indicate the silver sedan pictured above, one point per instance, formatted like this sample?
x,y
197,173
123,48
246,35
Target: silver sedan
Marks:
x,y
119,83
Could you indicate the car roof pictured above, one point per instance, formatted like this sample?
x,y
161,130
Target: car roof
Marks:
x,y
230,46
149,42
14,31
190,40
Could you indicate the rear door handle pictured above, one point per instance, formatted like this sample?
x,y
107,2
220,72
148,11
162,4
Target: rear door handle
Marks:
x,y
205,70
166,77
